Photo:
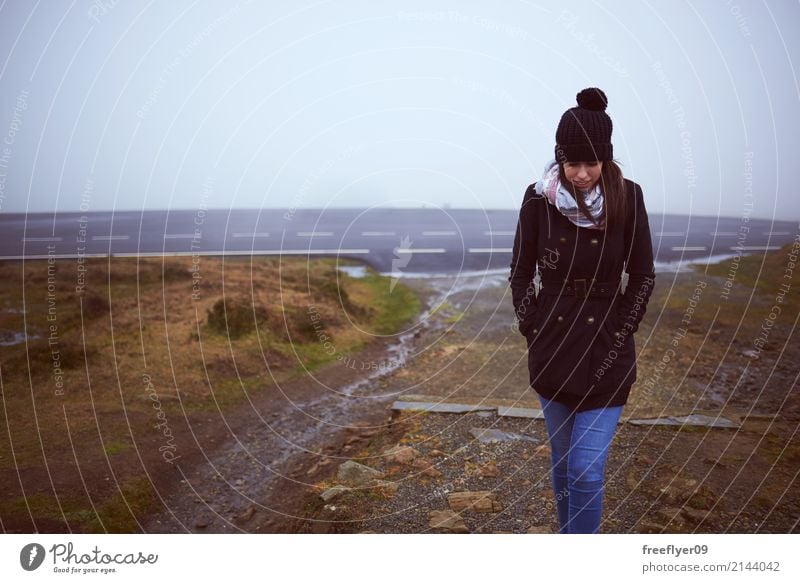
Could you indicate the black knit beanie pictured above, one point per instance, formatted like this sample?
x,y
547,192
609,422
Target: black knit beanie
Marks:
x,y
584,132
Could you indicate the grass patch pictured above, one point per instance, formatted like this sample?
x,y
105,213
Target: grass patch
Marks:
x,y
247,322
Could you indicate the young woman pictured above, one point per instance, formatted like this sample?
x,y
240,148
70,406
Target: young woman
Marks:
x,y
582,224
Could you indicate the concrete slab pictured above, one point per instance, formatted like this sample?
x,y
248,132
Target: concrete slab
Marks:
x,y
497,436
439,407
695,420
523,412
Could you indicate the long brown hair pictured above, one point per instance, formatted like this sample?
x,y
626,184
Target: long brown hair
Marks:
x,y
611,182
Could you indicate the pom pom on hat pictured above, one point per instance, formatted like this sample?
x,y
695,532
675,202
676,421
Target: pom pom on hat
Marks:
x,y
584,132
592,98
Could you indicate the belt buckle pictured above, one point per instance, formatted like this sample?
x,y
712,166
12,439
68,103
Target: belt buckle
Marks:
x,y
580,284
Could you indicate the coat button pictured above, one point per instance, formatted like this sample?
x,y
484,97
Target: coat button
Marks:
x,y
563,239
535,330
617,334
594,241
561,318
590,320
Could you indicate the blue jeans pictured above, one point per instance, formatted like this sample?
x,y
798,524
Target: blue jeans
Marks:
x,y
580,444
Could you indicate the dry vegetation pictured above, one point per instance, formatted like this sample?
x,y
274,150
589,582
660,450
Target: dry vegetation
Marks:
x,y
82,393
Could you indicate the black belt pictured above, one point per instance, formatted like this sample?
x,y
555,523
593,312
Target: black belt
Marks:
x,y
580,288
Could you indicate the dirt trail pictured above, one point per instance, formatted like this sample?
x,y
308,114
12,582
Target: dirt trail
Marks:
x,y
659,479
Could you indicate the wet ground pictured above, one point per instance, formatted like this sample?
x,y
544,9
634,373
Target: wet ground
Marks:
x,y
464,350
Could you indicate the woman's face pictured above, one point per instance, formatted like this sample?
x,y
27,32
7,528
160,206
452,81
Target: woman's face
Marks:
x,y
583,175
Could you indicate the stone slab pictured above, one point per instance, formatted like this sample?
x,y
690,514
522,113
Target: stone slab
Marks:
x,y
520,412
439,407
694,419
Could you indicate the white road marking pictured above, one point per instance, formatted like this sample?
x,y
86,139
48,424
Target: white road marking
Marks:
x,y
179,236
756,248
723,233
110,238
194,253
411,250
32,239
378,234
670,233
250,235
438,233
688,248
314,234
489,250
501,233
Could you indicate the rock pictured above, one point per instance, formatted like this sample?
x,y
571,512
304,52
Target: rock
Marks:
x,y
426,468
479,501
695,515
356,474
245,516
448,521
401,454
332,493
540,530
489,470
437,453
680,491
497,436
670,514
387,488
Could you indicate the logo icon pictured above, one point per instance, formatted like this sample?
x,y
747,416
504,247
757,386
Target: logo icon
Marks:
x,y
402,255
31,556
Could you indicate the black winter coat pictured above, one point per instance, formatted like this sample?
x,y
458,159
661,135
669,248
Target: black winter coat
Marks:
x,y
581,350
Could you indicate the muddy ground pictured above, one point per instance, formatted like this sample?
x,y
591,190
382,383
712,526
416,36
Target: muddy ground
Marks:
x,y
659,479
260,464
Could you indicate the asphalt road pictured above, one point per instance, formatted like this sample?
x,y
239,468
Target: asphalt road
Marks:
x,y
391,240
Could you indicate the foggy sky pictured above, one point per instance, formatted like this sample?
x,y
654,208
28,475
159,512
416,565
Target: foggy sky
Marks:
x,y
131,105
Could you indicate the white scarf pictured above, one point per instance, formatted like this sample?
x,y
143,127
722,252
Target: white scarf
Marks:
x,y
557,195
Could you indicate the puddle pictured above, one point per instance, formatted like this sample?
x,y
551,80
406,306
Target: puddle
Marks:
x,y
357,271
11,338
